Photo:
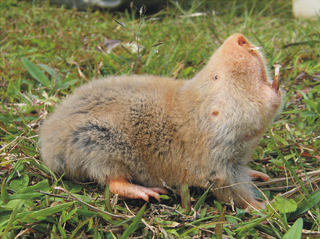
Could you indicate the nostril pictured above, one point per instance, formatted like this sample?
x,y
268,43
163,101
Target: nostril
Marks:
x,y
242,41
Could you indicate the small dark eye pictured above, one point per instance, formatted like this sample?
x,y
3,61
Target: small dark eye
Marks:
x,y
216,77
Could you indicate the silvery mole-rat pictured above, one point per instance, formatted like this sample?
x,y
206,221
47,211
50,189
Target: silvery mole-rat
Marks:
x,y
140,129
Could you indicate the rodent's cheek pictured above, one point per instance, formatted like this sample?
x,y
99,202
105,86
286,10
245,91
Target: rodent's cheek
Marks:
x,y
271,94
271,99
265,88
277,100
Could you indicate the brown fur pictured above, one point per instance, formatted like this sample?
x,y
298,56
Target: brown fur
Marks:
x,y
147,128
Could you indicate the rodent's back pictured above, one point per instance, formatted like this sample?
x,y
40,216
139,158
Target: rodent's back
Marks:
x,y
114,121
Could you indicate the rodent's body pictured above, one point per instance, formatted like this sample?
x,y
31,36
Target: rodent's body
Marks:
x,y
145,129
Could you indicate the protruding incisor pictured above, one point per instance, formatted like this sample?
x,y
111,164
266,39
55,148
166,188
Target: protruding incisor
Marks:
x,y
276,80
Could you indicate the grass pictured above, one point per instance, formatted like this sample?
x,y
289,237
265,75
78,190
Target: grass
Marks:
x,y
47,51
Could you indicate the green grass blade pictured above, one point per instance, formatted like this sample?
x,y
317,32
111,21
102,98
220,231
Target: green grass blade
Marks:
x,y
68,216
62,232
112,220
242,231
35,72
4,193
185,195
96,234
295,231
293,173
49,211
272,231
134,225
311,103
67,84
107,196
219,227
80,226
50,71
31,191
202,199
12,217
205,225
305,206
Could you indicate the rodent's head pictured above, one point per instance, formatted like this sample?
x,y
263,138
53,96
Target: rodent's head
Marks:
x,y
237,87
238,62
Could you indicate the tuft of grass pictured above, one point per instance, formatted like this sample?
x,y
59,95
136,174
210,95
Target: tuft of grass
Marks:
x,y
47,51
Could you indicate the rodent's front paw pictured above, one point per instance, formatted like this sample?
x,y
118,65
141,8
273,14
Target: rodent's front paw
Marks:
x,y
256,174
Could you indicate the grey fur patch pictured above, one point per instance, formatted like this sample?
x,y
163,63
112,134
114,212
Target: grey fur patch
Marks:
x,y
95,137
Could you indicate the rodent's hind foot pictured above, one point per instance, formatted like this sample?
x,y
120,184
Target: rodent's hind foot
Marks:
x,y
257,174
125,189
